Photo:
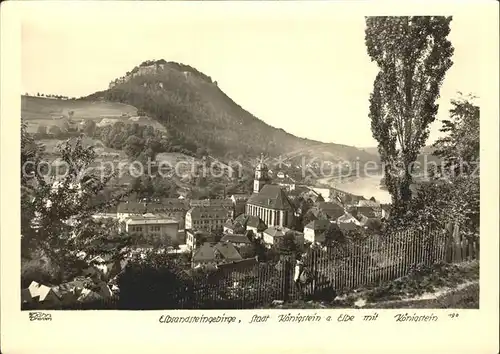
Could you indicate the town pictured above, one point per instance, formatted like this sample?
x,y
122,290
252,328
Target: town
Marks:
x,y
222,233
161,192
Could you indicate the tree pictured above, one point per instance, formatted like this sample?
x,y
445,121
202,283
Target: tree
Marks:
x,y
413,55
31,156
287,244
89,127
459,149
55,130
333,234
156,282
56,213
248,251
42,130
453,195
134,146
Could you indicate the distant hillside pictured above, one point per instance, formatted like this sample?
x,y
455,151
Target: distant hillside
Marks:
x,y
426,154
195,111
48,108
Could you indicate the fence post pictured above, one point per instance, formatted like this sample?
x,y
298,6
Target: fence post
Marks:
x,y
287,273
449,243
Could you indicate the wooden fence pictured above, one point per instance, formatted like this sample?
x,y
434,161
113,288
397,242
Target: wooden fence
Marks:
x,y
340,268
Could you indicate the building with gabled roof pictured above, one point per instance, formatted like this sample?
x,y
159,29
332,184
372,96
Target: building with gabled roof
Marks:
x,y
315,230
251,223
274,234
237,240
207,217
214,254
233,227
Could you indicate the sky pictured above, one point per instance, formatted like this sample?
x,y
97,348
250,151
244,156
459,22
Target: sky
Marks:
x,y
301,68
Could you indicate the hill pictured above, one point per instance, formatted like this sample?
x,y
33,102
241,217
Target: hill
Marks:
x,y
198,114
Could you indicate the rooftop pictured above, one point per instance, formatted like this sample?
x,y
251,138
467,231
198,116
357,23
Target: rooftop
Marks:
x,y
271,196
235,239
208,252
215,212
251,221
318,224
147,220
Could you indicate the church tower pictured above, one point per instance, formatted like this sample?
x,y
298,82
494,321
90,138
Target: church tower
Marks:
x,y
261,175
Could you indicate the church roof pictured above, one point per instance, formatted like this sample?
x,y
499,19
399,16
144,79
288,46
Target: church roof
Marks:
x,y
271,196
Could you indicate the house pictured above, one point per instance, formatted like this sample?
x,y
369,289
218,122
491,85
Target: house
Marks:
x,y
105,267
370,204
315,230
81,289
198,237
239,202
274,234
172,208
386,209
367,203
42,295
285,181
252,223
127,209
323,192
207,218
348,226
345,197
237,240
297,192
331,211
365,214
233,227
210,254
104,216
153,228
224,203
312,197
348,219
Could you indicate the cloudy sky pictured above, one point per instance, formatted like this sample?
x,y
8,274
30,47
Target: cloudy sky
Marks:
x,y
299,67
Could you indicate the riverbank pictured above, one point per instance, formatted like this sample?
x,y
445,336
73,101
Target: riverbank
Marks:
x,y
367,186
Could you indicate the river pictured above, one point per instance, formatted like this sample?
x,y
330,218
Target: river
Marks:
x,y
366,186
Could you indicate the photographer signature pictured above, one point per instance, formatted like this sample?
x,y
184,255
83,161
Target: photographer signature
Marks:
x,y
40,316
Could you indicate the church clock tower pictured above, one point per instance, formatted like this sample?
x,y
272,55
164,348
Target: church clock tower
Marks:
x,y
261,176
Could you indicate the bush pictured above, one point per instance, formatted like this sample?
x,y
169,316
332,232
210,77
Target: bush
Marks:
x,y
157,282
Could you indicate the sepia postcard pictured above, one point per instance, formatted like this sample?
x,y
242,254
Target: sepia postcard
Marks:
x,y
298,177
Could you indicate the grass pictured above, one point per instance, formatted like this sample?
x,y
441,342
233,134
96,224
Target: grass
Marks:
x,y
466,297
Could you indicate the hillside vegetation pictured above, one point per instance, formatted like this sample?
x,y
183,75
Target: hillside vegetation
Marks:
x,y
196,112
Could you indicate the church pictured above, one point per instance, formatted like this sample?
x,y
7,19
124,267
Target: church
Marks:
x,y
268,201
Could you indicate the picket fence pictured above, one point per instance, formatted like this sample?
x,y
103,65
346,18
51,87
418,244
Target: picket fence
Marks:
x,y
340,268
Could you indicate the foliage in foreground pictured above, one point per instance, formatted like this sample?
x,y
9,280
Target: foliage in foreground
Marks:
x,y
59,236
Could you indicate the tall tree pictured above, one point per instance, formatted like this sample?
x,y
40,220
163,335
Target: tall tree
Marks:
x,y
413,55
